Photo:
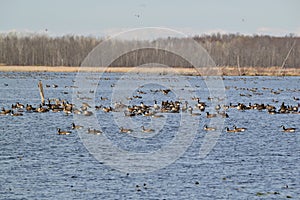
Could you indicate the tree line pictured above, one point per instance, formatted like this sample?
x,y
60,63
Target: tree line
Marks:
x,y
225,50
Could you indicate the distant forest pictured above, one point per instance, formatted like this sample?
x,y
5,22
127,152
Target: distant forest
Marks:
x,y
225,50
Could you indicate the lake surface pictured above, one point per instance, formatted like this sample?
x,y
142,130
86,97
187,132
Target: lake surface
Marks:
x,y
36,163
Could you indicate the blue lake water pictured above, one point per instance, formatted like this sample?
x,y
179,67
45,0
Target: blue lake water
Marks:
x,y
36,163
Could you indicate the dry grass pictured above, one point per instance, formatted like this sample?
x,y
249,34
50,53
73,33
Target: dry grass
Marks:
x,y
226,71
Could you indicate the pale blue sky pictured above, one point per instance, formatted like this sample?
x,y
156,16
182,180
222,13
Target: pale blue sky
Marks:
x,y
96,17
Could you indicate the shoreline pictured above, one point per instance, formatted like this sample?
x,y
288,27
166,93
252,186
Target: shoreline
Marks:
x,y
206,71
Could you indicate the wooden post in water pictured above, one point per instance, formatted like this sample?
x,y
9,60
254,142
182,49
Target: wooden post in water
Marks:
x,y
40,85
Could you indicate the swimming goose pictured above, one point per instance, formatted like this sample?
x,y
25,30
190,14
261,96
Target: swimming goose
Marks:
x,y
144,106
272,112
42,109
230,130
125,130
76,126
165,92
77,112
119,106
206,128
195,98
29,107
157,116
191,112
19,105
147,113
225,107
15,114
239,129
87,113
94,131
201,105
296,98
217,107
4,112
129,114
107,109
184,107
103,98
147,130
288,129
155,106
208,115
86,105
59,132
223,114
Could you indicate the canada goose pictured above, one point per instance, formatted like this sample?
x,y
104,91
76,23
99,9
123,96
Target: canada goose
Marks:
x,y
103,98
87,113
270,107
175,109
272,112
195,98
77,112
206,128
184,107
230,130
144,106
296,98
217,107
59,132
155,106
165,92
15,114
120,106
98,107
125,130
66,111
76,126
141,92
107,109
42,109
4,112
201,105
241,106
86,105
137,97
225,107
223,114
288,129
193,114
239,129
208,115
94,131
83,108
147,130
29,107
147,114
157,116
17,105
128,114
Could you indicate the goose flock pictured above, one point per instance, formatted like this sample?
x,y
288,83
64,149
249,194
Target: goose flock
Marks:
x,y
156,110
195,107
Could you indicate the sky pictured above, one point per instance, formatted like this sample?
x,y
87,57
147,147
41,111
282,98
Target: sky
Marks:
x,y
192,17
